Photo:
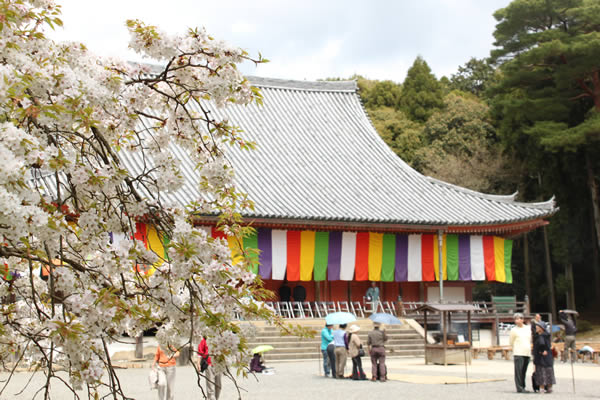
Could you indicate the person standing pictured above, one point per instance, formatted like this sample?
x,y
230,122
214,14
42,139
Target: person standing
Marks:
x,y
520,341
166,364
326,339
213,380
376,342
354,347
372,295
339,342
537,320
543,359
570,330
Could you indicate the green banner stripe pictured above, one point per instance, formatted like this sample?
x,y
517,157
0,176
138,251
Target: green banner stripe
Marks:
x,y
165,241
388,258
251,242
452,257
507,259
321,254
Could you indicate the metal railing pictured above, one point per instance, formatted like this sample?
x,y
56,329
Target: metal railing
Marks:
x,y
486,310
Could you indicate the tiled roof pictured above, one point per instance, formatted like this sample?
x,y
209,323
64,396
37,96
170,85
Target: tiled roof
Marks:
x,y
319,159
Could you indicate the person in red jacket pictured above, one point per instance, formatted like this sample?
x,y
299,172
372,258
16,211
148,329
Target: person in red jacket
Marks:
x,y
213,380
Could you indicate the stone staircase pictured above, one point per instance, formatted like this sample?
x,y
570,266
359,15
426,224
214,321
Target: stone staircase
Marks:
x,y
403,340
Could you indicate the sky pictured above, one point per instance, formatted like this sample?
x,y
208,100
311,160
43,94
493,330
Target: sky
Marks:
x,y
304,40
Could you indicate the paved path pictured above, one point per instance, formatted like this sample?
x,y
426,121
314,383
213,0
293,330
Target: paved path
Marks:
x,y
300,380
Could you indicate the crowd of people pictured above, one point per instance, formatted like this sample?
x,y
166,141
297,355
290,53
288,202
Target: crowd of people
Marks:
x,y
337,345
528,341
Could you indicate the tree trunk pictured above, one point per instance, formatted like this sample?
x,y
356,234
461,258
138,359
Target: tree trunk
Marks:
x,y
526,265
593,185
549,278
571,288
595,261
139,346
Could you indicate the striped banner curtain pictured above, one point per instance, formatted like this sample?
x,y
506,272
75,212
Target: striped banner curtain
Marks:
x,y
148,235
362,256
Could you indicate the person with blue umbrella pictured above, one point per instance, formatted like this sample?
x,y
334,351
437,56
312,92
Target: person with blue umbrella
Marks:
x,y
328,354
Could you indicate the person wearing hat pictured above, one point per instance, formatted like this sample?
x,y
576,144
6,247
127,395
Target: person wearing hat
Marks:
x,y
354,350
543,359
376,342
520,340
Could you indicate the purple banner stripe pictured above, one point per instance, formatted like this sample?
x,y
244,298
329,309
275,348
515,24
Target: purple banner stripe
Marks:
x,y
334,257
265,258
401,264
464,257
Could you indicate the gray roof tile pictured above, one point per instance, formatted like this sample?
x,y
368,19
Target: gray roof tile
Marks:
x,y
319,158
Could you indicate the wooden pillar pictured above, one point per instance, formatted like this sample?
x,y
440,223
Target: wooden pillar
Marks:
x,y
425,334
469,328
526,266
349,292
317,291
445,336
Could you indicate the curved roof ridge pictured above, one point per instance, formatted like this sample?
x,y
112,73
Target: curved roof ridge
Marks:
x,y
319,86
503,198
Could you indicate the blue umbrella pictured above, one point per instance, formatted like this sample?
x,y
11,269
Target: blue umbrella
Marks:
x,y
555,328
384,318
338,318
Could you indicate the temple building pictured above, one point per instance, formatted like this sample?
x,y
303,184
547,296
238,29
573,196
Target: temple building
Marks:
x,y
336,208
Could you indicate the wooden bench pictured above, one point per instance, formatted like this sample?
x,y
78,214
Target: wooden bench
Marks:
x,y
505,351
595,357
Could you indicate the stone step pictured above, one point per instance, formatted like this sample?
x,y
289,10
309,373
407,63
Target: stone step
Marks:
x,y
261,334
403,341
315,356
277,342
273,340
316,348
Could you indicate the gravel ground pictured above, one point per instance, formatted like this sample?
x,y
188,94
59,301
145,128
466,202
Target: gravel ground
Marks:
x,y
301,380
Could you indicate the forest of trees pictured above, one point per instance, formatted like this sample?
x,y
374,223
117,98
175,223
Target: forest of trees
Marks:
x,y
527,118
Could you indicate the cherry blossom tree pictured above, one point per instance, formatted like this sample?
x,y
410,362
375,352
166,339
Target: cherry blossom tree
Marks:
x,y
69,206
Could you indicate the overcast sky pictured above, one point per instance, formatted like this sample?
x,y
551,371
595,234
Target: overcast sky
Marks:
x,y
309,39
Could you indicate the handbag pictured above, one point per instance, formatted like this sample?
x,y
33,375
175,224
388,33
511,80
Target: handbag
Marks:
x,y
153,379
156,378
361,351
162,378
203,364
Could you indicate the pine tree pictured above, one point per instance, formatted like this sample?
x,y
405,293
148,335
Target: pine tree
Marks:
x,y
421,93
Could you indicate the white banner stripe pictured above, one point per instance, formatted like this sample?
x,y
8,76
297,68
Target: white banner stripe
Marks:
x,y
415,269
477,263
279,253
348,260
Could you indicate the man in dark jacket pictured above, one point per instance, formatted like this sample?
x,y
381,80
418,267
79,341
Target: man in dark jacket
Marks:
x,y
376,342
570,330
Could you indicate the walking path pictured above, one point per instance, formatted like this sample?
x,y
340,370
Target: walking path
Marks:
x,y
409,379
